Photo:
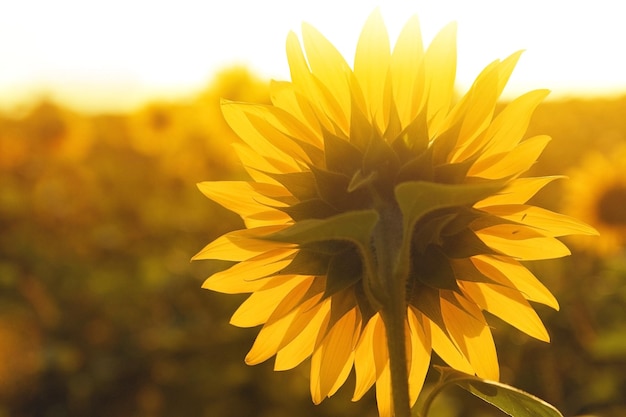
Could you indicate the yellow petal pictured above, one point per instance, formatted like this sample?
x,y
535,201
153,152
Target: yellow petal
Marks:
x,y
263,304
408,72
241,245
482,96
305,83
299,339
518,191
510,163
509,305
284,96
384,399
329,67
480,106
276,126
509,272
333,356
251,200
509,127
371,67
364,365
316,363
471,336
419,351
247,276
257,166
268,340
545,221
525,249
338,352
446,349
238,121
440,67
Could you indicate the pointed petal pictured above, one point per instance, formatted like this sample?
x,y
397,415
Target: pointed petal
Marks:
x,y
371,66
384,399
408,72
338,352
251,200
440,67
445,348
511,273
247,276
307,323
241,245
268,340
518,191
420,353
545,221
276,301
364,365
331,69
525,249
471,336
509,127
509,305
511,163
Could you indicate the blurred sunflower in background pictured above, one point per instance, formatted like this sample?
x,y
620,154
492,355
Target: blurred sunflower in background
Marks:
x,y
372,194
596,194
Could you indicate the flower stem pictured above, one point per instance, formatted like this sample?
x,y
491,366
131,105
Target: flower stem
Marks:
x,y
394,319
388,241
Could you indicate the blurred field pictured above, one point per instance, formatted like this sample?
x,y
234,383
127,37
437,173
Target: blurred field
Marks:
x,y
102,314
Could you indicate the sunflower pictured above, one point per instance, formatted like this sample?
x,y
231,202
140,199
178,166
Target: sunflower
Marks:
x,y
382,217
597,195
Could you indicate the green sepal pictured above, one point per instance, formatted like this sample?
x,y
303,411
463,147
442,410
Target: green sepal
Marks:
x,y
444,144
429,230
453,173
510,400
360,180
466,244
419,168
331,186
380,157
465,270
433,268
300,184
307,262
427,300
344,270
309,209
413,140
341,156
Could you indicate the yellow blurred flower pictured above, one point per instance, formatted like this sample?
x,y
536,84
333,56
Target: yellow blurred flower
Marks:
x,y
372,192
596,194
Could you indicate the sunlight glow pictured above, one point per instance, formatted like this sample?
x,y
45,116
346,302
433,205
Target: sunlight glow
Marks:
x,y
114,55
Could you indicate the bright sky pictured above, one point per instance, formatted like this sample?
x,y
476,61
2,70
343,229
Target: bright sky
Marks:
x,y
115,54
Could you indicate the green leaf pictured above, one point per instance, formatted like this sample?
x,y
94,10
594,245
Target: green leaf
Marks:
x,y
353,226
510,400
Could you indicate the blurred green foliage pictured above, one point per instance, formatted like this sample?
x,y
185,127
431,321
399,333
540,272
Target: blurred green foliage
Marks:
x,y
102,314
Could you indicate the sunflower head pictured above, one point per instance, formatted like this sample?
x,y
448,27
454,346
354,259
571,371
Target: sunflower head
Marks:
x,y
372,190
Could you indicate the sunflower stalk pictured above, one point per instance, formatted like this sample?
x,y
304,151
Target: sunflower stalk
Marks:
x,y
387,243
